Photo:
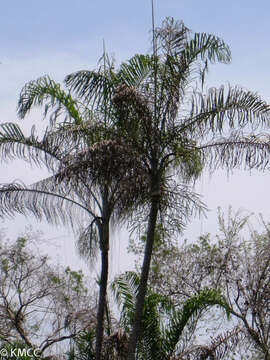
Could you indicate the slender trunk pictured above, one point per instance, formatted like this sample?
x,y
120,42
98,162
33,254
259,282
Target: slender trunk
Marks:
x,y
143,280
104,247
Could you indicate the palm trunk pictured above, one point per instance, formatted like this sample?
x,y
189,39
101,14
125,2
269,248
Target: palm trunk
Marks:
x,y
104,246
143,280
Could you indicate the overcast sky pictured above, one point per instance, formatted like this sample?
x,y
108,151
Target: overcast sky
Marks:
x,y
58,37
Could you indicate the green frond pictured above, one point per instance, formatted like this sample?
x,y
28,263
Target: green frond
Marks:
x,y
185,54
136,70
94,88
192,307
162,325
156,310
125,288
45,91
195,54
205,47
222,108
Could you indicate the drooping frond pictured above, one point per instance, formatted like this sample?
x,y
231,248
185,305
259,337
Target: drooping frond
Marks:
x,y
14,144
56,208
221,109
191,308
45,91
205,46
179,203
88,242
236,151
73,138
54,146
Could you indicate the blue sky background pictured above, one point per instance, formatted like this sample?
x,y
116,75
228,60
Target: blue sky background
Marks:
x,y
58,37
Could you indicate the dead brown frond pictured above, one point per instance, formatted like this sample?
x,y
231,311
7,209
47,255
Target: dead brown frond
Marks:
x,y
110,164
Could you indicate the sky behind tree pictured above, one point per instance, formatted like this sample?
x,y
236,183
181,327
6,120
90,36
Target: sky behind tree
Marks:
x,y
59,37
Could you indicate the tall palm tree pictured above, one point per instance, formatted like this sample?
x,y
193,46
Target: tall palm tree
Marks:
x,y
75,193
177,129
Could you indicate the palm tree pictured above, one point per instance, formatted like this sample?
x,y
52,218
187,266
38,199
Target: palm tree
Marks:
x,y
75,193
177,129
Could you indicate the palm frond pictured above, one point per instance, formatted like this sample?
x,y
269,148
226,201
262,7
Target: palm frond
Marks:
x,y
191,308
221,109
95,88
54,146
163,325
45,91
185,55
14,144
125,288
88,242
73,138
156,309
43,203
172,35
179,203
136,70
204,46
236,151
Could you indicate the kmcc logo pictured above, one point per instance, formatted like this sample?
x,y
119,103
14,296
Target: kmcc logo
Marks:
x,y
19,353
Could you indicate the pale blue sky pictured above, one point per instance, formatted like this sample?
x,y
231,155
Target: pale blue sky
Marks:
x,y
58,37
